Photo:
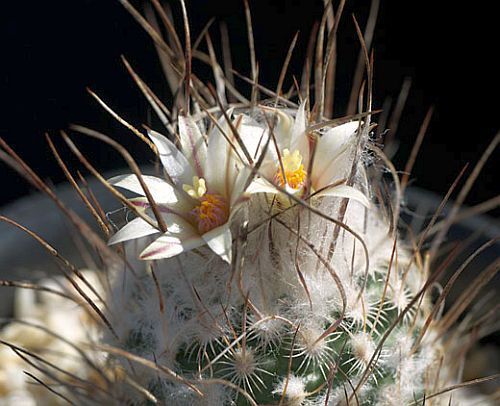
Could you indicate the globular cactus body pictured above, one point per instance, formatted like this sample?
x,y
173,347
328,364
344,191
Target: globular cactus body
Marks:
x,y
262,262
299,314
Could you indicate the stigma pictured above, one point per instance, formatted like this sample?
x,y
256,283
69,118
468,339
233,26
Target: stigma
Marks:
x,y
295,175
197,189
212,210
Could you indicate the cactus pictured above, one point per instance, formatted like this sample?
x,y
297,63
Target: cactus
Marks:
x,y
320,298
261,263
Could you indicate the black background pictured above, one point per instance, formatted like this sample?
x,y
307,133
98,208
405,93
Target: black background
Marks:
x,y
52,50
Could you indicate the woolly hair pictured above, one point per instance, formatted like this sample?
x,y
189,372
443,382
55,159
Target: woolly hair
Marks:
x,y
323,303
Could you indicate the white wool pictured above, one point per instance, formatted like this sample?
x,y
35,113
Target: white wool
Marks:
x,y
268,330
315,347
363,347
390,395
213,394
361,308
343,395
399,347
294,389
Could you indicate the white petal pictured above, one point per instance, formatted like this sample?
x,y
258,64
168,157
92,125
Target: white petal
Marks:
x,y
283,130
348,192
137,228
333,143
283,127
253,135
218,173
174,162
291,190
299,137
193,144
220,241
269,161
180,237
238,188
141,204
260,185
330,147
170,245
182,206
162,191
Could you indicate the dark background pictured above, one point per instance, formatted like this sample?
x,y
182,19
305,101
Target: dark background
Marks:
x,y
52,50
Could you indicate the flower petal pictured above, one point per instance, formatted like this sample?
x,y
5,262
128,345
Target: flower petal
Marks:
x,y
137,228
283,126
239,184
218,172
253,135
193,144
142,204
180,237
162,192
175,163
330,147
299,140
348,192
170,245
333,143
260,185
257,142
220,241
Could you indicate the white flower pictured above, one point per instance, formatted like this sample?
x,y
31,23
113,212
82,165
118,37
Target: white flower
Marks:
x,y
202,190
290,169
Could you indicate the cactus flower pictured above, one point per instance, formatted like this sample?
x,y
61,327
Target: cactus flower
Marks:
x,y
287,162
202,190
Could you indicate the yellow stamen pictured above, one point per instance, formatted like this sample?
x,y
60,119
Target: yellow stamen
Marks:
x,y
212,212
294,170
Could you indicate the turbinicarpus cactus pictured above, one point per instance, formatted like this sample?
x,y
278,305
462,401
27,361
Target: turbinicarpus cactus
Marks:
x,y
271,269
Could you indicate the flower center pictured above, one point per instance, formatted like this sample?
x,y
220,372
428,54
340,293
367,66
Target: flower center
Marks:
x,y
294,170
212,211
